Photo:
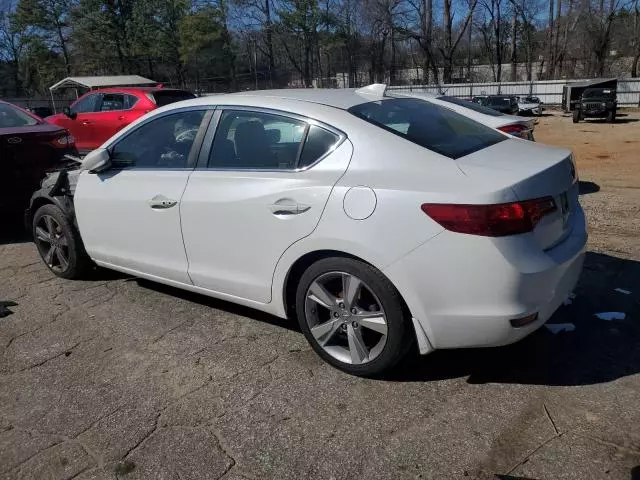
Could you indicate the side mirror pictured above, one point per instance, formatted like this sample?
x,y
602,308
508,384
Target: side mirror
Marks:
x,y
67,111
97,161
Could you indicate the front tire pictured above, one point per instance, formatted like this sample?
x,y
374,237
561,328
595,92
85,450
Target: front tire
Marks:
x,y
576,116
611,116
352,316
59,243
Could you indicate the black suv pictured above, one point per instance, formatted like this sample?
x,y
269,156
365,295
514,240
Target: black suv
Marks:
x,y
596,103
507,104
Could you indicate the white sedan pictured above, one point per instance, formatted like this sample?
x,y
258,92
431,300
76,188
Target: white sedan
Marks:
x,y
386,222
511,124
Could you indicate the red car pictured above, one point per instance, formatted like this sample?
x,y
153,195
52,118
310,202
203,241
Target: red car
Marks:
x,y
29,148
98,114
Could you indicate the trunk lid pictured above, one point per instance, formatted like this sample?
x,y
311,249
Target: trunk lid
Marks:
x,y
532,171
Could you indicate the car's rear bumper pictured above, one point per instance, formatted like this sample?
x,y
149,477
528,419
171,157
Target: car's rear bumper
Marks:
x,y
464,290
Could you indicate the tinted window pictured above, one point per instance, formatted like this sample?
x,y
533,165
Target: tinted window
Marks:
x,y
248,140
112,101
319,141
165,97
497,101
162,143
130,101
428,125
471,106
13,117
87,104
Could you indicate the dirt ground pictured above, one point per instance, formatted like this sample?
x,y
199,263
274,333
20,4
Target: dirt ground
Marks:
x,y
117,378
608,161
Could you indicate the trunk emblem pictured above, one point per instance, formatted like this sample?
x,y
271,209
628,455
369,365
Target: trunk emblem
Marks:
x,y
14,140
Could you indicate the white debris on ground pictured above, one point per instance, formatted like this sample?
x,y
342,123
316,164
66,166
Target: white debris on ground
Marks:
x,y
560,327
622,290
610,316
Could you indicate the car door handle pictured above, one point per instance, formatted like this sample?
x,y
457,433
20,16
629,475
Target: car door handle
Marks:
x,y
160,202
287,206
122,117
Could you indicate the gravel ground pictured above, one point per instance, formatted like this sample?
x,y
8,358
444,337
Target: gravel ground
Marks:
x,y
121,378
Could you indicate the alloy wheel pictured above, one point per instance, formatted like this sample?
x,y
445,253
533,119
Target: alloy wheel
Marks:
x,y
346,318
52,243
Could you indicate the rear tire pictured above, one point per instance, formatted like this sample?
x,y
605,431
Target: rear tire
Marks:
x,y
576,116
59,243
349,305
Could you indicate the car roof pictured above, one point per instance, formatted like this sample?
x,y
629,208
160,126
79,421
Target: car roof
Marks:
x,y
342,98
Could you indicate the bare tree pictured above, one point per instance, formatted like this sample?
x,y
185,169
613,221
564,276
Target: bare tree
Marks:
x,y
450,43
636,39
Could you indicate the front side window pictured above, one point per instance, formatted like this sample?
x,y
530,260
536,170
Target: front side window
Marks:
x,y
87,104
430,126
161,143
257,140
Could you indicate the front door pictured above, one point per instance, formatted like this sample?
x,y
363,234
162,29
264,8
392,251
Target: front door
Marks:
x,y
129,215
81,124
264,184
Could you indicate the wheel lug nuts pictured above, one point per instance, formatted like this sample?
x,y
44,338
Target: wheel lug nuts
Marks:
x,y
341,305
354,311
344,326
336,314
354,324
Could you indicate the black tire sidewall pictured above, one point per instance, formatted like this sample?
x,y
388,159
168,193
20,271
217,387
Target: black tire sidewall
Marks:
x,y
398,333
78,259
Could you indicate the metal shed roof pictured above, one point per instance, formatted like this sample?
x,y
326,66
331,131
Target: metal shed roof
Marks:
x,y
594,82
97,82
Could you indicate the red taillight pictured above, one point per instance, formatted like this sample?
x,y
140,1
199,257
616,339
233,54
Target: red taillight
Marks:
x,y
516,129
491,220
63,141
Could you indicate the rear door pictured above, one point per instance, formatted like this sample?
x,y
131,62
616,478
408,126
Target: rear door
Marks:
x,y
129,215
261,185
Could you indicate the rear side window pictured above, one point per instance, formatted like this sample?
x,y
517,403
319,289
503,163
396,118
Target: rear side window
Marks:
x,y
471,106
318,143
430,126
248,140
165,97
113,101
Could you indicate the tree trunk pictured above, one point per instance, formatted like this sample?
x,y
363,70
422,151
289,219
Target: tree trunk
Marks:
x,y
550,42
469,47
514,44
269,29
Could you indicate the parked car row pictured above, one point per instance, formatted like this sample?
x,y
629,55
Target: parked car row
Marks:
x,y
511,104
377,220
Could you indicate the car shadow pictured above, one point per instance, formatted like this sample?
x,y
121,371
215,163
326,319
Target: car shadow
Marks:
x,y
586,187
596,351
289,324
14,232
617,120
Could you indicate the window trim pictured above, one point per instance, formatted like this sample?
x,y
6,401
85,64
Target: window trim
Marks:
x,y
209,138
122,109
195,148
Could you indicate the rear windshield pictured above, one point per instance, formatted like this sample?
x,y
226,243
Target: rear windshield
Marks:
x,y
11,117
499,101
430,126
165,97
471,106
